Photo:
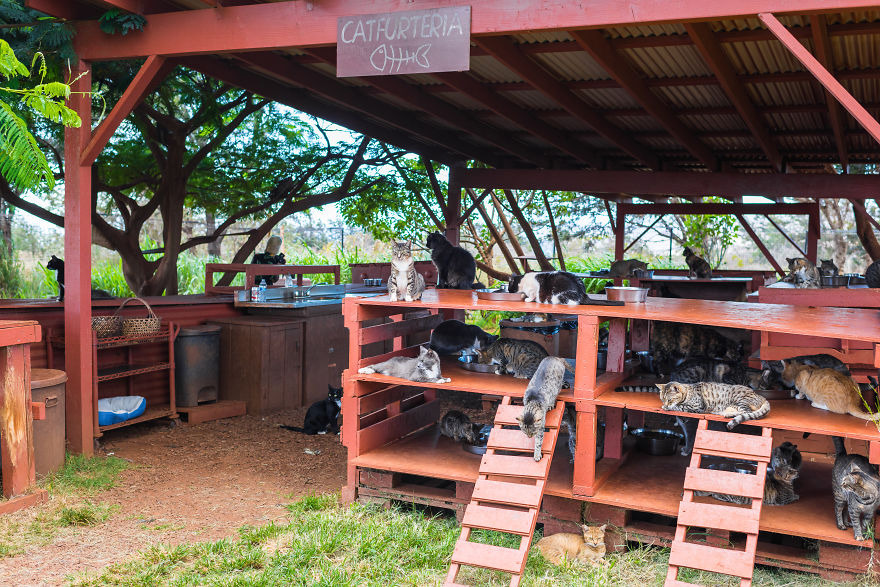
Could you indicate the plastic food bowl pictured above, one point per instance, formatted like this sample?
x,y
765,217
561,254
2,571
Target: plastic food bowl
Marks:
x,y
627,294
657,442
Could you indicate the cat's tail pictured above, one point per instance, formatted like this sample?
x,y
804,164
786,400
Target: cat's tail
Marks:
x,y
762,411
864,415
294,428
639,388
839,448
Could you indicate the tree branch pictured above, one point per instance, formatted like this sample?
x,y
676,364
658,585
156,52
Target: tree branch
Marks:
x,y
221,136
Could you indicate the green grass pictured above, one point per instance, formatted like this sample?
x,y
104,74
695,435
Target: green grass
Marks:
x,y
325,544
70,506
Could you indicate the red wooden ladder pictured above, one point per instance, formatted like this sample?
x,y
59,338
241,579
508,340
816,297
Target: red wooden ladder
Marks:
x,y
507,494
721,515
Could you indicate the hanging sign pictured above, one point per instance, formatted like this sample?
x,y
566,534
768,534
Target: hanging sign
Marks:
x,y
416,41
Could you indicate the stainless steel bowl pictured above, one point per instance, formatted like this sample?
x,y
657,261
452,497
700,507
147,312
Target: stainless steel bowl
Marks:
x,y
498,296
469,362
627,294
643,273
372,281
657,442
835,281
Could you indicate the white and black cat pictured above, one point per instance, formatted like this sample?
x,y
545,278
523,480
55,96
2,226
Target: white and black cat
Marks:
x,y
57,265
322,415
553,287
452,336
456,268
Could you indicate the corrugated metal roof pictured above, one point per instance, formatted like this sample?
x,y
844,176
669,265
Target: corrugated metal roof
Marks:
x,y
571,66
666,62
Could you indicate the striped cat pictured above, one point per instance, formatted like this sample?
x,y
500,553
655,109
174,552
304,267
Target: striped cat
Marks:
x,y
540,397
520,358
803,274
405,282
785,465
709,370
736,401
827,389
672,342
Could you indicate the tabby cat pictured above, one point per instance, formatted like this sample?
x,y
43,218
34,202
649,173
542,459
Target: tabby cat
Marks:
x,y
736,401
827,389
457,426
549,287
626,267
452,336
424,368
856,487
520,358
872,274
697,266
803,274
696,370
588,549
828,268
569,419
540,397
404,278
671,342
456,267
785,465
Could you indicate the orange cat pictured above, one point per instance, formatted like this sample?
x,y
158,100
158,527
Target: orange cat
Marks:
x,y
589,548
827,389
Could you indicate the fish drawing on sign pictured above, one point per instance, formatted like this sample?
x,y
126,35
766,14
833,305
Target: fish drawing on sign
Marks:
x,y
386,57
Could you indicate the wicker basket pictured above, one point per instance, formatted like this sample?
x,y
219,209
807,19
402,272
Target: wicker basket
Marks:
x,y
140,326
105,326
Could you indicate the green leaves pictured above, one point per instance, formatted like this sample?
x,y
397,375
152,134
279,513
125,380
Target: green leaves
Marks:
x,y
10,66
22,162
115,21
47,100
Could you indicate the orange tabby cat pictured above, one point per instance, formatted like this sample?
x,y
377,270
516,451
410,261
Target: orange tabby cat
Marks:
x,y
589,548
827,389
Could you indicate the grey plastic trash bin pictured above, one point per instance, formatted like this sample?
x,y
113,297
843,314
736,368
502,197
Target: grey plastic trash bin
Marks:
x,y
197,365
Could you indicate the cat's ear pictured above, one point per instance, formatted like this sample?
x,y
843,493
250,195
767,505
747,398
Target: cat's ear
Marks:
x,y
790,261
603,526
782,362
519,419
661,386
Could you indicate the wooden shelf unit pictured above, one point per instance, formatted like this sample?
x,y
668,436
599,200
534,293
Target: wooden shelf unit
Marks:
x,y
388,423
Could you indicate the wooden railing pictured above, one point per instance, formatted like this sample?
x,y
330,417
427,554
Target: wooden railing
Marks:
x,y
251,270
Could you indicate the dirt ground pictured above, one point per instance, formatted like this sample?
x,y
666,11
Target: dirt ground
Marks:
x,y
189,484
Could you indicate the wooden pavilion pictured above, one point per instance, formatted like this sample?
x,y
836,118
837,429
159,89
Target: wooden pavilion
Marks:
x,y
641,100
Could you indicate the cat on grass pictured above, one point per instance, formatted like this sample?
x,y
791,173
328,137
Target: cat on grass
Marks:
x,y
424,368
587,549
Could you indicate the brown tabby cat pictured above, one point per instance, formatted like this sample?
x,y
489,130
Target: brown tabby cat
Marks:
x,y
785,465
737,401
671,342
697,266
803,274
626,267
520,358
405,281
856,488
827,389
588,549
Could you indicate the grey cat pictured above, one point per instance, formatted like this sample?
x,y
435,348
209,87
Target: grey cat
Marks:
x,y
856,487
785,465
822,361
405,281
736,401
540,397
828,268
626,267
520,358
569,418
424,368
457,426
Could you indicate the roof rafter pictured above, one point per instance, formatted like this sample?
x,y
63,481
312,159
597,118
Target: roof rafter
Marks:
x,y
595,43
467,85
822,48
305,102
285,70
416,97
504,50
718,62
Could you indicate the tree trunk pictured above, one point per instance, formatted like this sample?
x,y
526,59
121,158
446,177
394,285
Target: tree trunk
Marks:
x,y
502,246
554,231
214,248
6,212
865,230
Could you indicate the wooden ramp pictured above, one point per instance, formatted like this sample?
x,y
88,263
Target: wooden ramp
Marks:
x,y
720,515
507,494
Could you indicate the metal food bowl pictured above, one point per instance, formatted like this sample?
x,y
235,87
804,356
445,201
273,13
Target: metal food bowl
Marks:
x,y
657,442
835,281
373,281
482,440
469,363
627,294
498,295
643,273
744,468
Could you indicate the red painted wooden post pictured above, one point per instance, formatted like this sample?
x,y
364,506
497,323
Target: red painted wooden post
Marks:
x,y
585,366
78,275
814,232
349,435
616,345
584,475
619,233
613,433
16,424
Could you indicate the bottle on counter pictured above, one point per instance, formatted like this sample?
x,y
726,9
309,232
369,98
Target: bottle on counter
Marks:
x,y
255,293
262,291
288,280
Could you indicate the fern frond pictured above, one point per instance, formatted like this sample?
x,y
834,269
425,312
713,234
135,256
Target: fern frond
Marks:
x,y
22,162
10,66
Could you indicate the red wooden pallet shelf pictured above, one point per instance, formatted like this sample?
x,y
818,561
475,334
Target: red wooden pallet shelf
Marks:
x,y
149,414
120,371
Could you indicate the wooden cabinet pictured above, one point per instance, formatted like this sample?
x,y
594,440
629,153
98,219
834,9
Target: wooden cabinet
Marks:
x,y
261,360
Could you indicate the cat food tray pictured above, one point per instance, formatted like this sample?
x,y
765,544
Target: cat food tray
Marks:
x,y
471,365
498,296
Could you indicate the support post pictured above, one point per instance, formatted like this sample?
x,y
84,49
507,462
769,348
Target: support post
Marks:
x,y
619,233
452,210
814,232
78,275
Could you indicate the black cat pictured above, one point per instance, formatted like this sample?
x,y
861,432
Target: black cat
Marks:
x,y
872,274
456,268
453,336
57,265
322,415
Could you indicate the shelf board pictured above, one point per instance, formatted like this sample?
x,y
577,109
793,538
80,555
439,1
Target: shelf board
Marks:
x,y
149,414
641,482
790,414
122,341
120,371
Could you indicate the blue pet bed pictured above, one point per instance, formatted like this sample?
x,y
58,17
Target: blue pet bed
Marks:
x,y
113,410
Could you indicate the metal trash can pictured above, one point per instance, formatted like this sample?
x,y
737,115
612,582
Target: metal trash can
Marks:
x,y
48,386
197,365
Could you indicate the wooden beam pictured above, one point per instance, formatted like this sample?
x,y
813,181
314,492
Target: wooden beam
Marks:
x,y
785,234
305,102
284,70
860,204
496,234
595,43
469,86
679,183
802,208
760,244
256,27
822,47
476,202
864,118
418,98
58,8
718,62
506,51
643,233
150,75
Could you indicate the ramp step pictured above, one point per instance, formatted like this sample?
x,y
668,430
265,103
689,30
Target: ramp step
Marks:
x,y
520,522
515,440
507,416
508,493
724,482
742,446
721,517
515,466
713,559
488,557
